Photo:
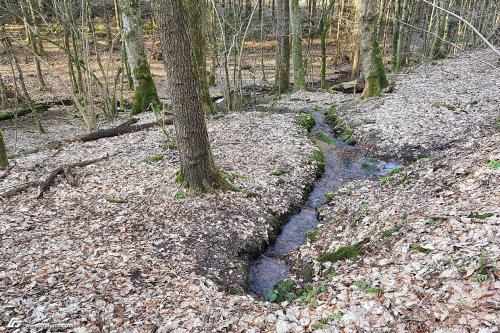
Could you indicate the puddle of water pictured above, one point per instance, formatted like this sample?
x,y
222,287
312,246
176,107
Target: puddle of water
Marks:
x,y
342,163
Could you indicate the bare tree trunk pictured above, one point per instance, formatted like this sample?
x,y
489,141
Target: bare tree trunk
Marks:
x,y
325,19
395,33
401,53
373,65
337,40
3,95
198,171
436,51
4,162
355,41
34,46
282,80
299,82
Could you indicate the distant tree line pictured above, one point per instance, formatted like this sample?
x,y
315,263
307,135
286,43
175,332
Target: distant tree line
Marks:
x,y
205,43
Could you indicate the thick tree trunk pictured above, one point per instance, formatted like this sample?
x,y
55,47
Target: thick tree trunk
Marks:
x,y
282,80
299,82
145,94
198,171
373,64
196,22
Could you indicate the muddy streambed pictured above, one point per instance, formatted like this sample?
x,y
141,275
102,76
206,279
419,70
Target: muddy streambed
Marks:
x,y
342,163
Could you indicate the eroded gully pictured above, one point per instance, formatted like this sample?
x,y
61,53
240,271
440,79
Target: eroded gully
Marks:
x,y
342,163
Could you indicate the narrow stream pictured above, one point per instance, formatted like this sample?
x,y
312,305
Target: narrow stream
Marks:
x,y
342,163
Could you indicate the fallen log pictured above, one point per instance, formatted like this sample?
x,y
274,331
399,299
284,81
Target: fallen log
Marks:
x,y
350,86
126,127
25,110
118,130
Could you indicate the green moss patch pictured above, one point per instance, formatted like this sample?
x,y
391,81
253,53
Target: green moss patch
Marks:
x,y
145,93
370,164
312,235
376,79
480,216
350,252
318,158
367,287
342,131
278,172
322,136
388,176
154,159
309,293
495,165
180,195
420,248
307,121
283,291
332,118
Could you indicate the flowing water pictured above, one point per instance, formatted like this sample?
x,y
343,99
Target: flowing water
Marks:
x,y
342,163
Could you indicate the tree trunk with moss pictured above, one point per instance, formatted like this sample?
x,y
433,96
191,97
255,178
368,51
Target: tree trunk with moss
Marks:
x,y
196,23
145,94
198,171
282,80
4,162
299,81
373,63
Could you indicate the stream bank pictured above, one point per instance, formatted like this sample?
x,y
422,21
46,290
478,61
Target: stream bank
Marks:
x,y
342,163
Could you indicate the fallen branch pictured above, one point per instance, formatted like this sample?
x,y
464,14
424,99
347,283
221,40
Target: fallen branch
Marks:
x,y
18,189
25,110
44,186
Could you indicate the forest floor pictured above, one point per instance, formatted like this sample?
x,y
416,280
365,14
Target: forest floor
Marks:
x,y
125,250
